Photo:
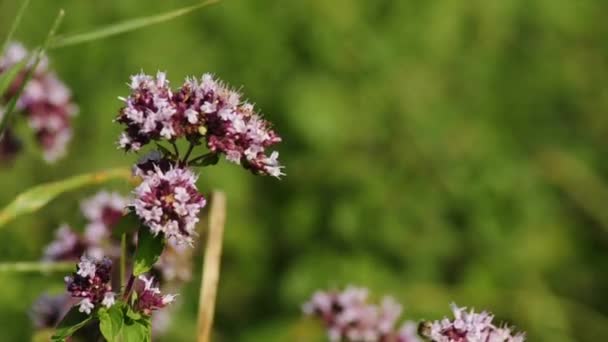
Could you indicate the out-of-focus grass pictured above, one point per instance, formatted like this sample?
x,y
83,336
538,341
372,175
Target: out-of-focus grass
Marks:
x,y
438,151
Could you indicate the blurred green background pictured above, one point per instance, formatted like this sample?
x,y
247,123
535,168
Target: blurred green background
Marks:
x,y
437,151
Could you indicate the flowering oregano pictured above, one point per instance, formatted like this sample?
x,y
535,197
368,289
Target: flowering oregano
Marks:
x,y
349,316
468,326
162,214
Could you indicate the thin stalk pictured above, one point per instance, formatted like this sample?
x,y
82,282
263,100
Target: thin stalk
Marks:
x,y
14,25
211,266
190,148
175,149
129,288
200,157
36,266
125,26
123,257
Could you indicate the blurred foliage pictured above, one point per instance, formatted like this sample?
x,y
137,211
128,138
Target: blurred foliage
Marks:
x,y
438,151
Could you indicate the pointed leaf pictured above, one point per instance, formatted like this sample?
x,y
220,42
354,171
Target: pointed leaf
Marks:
x,y
129,223
133,314
137,330
38,196
165,151
70,323
111,321
206,160
126,26
149,249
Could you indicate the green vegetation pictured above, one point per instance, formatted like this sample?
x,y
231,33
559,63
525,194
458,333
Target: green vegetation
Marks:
x,y
436,150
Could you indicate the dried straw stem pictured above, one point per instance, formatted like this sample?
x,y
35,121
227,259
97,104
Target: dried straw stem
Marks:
x,y
211,266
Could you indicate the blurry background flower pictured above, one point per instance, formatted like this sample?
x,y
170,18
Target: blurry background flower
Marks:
x,y
45,101
349,316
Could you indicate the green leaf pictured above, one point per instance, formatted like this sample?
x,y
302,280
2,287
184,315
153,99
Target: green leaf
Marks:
x,y
165,151
133,314
126,26
38,196
205,160
137,330
72,321
129,223
5,119
9,75
149,249
111,321
15,25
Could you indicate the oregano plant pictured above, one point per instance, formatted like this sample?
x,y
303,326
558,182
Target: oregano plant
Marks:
x,y
165,205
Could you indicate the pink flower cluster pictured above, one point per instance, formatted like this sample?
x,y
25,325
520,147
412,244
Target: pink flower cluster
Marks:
x,y
45,101
102,211
91,282
199,109
350,317
168,202
150,298
468,326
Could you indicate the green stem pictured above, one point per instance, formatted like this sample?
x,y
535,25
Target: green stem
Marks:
x,y
36,266
190,148
175,149
123,258
15,24
200,157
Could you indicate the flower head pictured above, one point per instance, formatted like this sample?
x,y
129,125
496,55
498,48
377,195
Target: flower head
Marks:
x,y
204,108
45,101
348,316
68,245
150,298
103,211
148,112
235,129
168,202
91,283
175,263
469,326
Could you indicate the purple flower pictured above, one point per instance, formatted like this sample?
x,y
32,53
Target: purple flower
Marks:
x,y
68,245
175,264
45,101
150,298
469,326
408,332
91,283
199,109
168,202
349,317
148,112
103,211
235,129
